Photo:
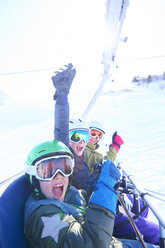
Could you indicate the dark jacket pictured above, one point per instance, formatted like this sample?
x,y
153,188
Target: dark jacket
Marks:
x,y
81,173
52,223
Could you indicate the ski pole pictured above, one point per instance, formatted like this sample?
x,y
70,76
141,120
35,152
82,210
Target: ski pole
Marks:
x,y
139,235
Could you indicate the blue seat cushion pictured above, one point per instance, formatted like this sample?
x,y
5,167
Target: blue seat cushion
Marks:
x,y
12,214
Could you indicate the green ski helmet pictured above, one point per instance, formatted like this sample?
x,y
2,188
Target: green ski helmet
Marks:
x,y
43,150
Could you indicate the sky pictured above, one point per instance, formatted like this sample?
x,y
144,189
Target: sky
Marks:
x,y
42,34
144,27
144,24
39,35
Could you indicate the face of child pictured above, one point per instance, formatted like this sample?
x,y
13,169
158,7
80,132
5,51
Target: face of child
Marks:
x,y
78,148
93,139
56,188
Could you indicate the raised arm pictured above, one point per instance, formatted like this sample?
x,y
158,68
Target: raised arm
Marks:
x,y
62,81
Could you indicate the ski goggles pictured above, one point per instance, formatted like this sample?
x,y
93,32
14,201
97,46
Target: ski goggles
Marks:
x,y
94,132
78,135
47,168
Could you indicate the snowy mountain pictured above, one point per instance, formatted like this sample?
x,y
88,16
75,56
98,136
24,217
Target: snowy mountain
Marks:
x,y
139,80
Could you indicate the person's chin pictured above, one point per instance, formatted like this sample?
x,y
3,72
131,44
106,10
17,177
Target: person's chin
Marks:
x,y
79,154
79,151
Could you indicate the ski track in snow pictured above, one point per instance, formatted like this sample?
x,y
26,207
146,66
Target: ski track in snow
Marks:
x,y
137,113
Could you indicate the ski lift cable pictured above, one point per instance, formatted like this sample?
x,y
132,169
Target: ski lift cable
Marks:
x,y
154,196
154,192
91,64
142,58
27,71
44,69
157,198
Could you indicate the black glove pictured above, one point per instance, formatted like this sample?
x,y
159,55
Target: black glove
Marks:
x,y
93,178
63,79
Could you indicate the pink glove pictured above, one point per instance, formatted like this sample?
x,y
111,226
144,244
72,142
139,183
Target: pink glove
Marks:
x,y
116,141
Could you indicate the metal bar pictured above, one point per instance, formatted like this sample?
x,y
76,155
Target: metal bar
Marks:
x,y
11,178
147,198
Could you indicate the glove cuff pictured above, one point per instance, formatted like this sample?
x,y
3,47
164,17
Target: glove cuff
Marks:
x,y
105,197
116,146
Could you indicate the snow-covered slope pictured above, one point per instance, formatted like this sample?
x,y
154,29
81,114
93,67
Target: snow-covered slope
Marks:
x,y
137,113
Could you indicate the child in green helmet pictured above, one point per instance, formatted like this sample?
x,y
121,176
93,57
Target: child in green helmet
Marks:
x,y
56,215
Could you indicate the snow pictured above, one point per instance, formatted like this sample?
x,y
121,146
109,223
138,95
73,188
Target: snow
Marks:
x,y
136,112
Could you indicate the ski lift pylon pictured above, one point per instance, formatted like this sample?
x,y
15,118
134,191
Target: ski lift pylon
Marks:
x,y
115,15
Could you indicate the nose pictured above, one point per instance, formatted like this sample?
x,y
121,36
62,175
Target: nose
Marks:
x,y
58,175
82,142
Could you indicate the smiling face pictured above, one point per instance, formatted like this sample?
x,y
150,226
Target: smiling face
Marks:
x,y
56,188
78,148
93,139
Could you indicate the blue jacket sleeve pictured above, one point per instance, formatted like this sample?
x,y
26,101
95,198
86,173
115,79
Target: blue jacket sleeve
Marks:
x,y
61,119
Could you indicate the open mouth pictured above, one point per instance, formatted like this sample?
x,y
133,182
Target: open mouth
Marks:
x,y
79,149
58,190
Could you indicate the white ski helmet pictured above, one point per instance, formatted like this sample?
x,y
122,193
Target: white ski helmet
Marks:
x,y
77,124
97,125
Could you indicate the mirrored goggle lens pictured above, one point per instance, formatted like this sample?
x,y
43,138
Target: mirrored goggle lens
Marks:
x,y
78,135
96,132
48,168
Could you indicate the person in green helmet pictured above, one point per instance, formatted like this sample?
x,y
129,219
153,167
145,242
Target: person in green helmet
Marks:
x,y
59,154
56,214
